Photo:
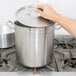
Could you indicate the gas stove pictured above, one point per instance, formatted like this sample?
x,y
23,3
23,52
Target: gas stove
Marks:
x,y
64,58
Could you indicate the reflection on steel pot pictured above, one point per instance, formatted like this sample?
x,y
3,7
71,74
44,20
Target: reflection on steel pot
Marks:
x,y
7,35
34,38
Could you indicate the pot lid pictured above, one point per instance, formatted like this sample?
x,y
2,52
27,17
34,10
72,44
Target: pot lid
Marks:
x,y
29,17
5,28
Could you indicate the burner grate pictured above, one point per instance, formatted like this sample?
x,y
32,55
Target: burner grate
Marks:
x,y
70,62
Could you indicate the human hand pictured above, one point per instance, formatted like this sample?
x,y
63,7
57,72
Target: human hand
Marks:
x,y
46,11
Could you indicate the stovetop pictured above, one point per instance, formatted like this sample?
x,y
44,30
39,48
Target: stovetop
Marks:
x,y
64,58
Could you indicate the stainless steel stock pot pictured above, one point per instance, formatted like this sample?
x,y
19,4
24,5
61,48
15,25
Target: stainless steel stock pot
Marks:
x,y
34,38
7,35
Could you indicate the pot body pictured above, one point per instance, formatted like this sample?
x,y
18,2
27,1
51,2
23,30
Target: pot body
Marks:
x,y
34,46
7,40
7,35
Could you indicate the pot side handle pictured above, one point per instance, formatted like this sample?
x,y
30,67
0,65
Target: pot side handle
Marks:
x,y
10,24
57,26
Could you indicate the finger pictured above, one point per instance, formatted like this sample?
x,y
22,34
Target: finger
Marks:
x,y
40,6
39,11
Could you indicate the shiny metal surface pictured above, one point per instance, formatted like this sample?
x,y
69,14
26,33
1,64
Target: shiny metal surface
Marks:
x,y
7,36
29,17
7,40
34,38
34,46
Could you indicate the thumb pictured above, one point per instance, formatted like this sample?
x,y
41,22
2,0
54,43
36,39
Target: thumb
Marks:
x,y
39,11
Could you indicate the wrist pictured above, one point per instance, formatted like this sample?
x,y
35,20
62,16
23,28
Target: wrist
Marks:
x,y
55,18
